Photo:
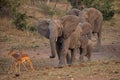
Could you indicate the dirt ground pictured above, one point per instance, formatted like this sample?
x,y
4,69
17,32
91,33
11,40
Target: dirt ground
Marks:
x,y
105,64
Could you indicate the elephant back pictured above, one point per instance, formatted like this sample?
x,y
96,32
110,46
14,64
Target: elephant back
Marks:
x,y
73,11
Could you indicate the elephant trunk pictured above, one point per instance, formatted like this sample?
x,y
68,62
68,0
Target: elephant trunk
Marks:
x,y
55,31
53,47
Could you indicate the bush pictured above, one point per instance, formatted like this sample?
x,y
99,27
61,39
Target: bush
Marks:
x,y
105,6
46,9
8,7
19,21
32,28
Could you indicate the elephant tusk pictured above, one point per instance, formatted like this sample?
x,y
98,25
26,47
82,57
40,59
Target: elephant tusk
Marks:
x,y
56,40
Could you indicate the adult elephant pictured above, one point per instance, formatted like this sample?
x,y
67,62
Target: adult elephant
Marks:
x,y
95,18
60,33
78,40
55,29
92,16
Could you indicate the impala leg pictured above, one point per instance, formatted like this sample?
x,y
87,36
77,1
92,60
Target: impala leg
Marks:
x,y
31,65
19,68
15,67
25,67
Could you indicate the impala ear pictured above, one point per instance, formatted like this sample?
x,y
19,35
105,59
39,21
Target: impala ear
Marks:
x,y
43,28
70,23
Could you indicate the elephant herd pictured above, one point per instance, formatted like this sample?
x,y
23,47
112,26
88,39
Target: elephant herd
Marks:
x,y
71,33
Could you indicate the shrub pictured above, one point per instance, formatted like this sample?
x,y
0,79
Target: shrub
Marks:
x,y
19,21
105,6
46,9
8,7
32,28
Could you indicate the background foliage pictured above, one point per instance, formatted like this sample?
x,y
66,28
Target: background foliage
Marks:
x,y
105,6
10,8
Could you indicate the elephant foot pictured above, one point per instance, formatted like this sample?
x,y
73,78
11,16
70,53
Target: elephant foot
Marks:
x,y
81,59
68,62
96,49
52,56
72,64
89,59
61,66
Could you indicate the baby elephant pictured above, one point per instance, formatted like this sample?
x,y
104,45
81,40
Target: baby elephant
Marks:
x,y
86,48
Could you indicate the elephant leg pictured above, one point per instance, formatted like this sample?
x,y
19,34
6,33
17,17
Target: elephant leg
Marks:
x,y
89,35
83,53
98,27
64,52
89,56
73,53
80,52
58,47
89,51
99,39
68,59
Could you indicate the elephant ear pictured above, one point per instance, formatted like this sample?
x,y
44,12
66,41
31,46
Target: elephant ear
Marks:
x,y
43,28
70,23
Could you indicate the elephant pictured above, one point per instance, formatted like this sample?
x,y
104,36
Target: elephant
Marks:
x,y
77,41
53,29
95,18
73,11
92,16
59,33
73,43
64,35
86,48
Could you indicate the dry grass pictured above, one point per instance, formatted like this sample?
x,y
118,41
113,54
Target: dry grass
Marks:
x,y
39,50
11,37
96,70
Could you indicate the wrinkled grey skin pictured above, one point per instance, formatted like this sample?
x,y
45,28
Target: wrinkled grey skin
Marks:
x,y
58,30
95,18
53,29
74,42
84,44
64,34
86,48
92,16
